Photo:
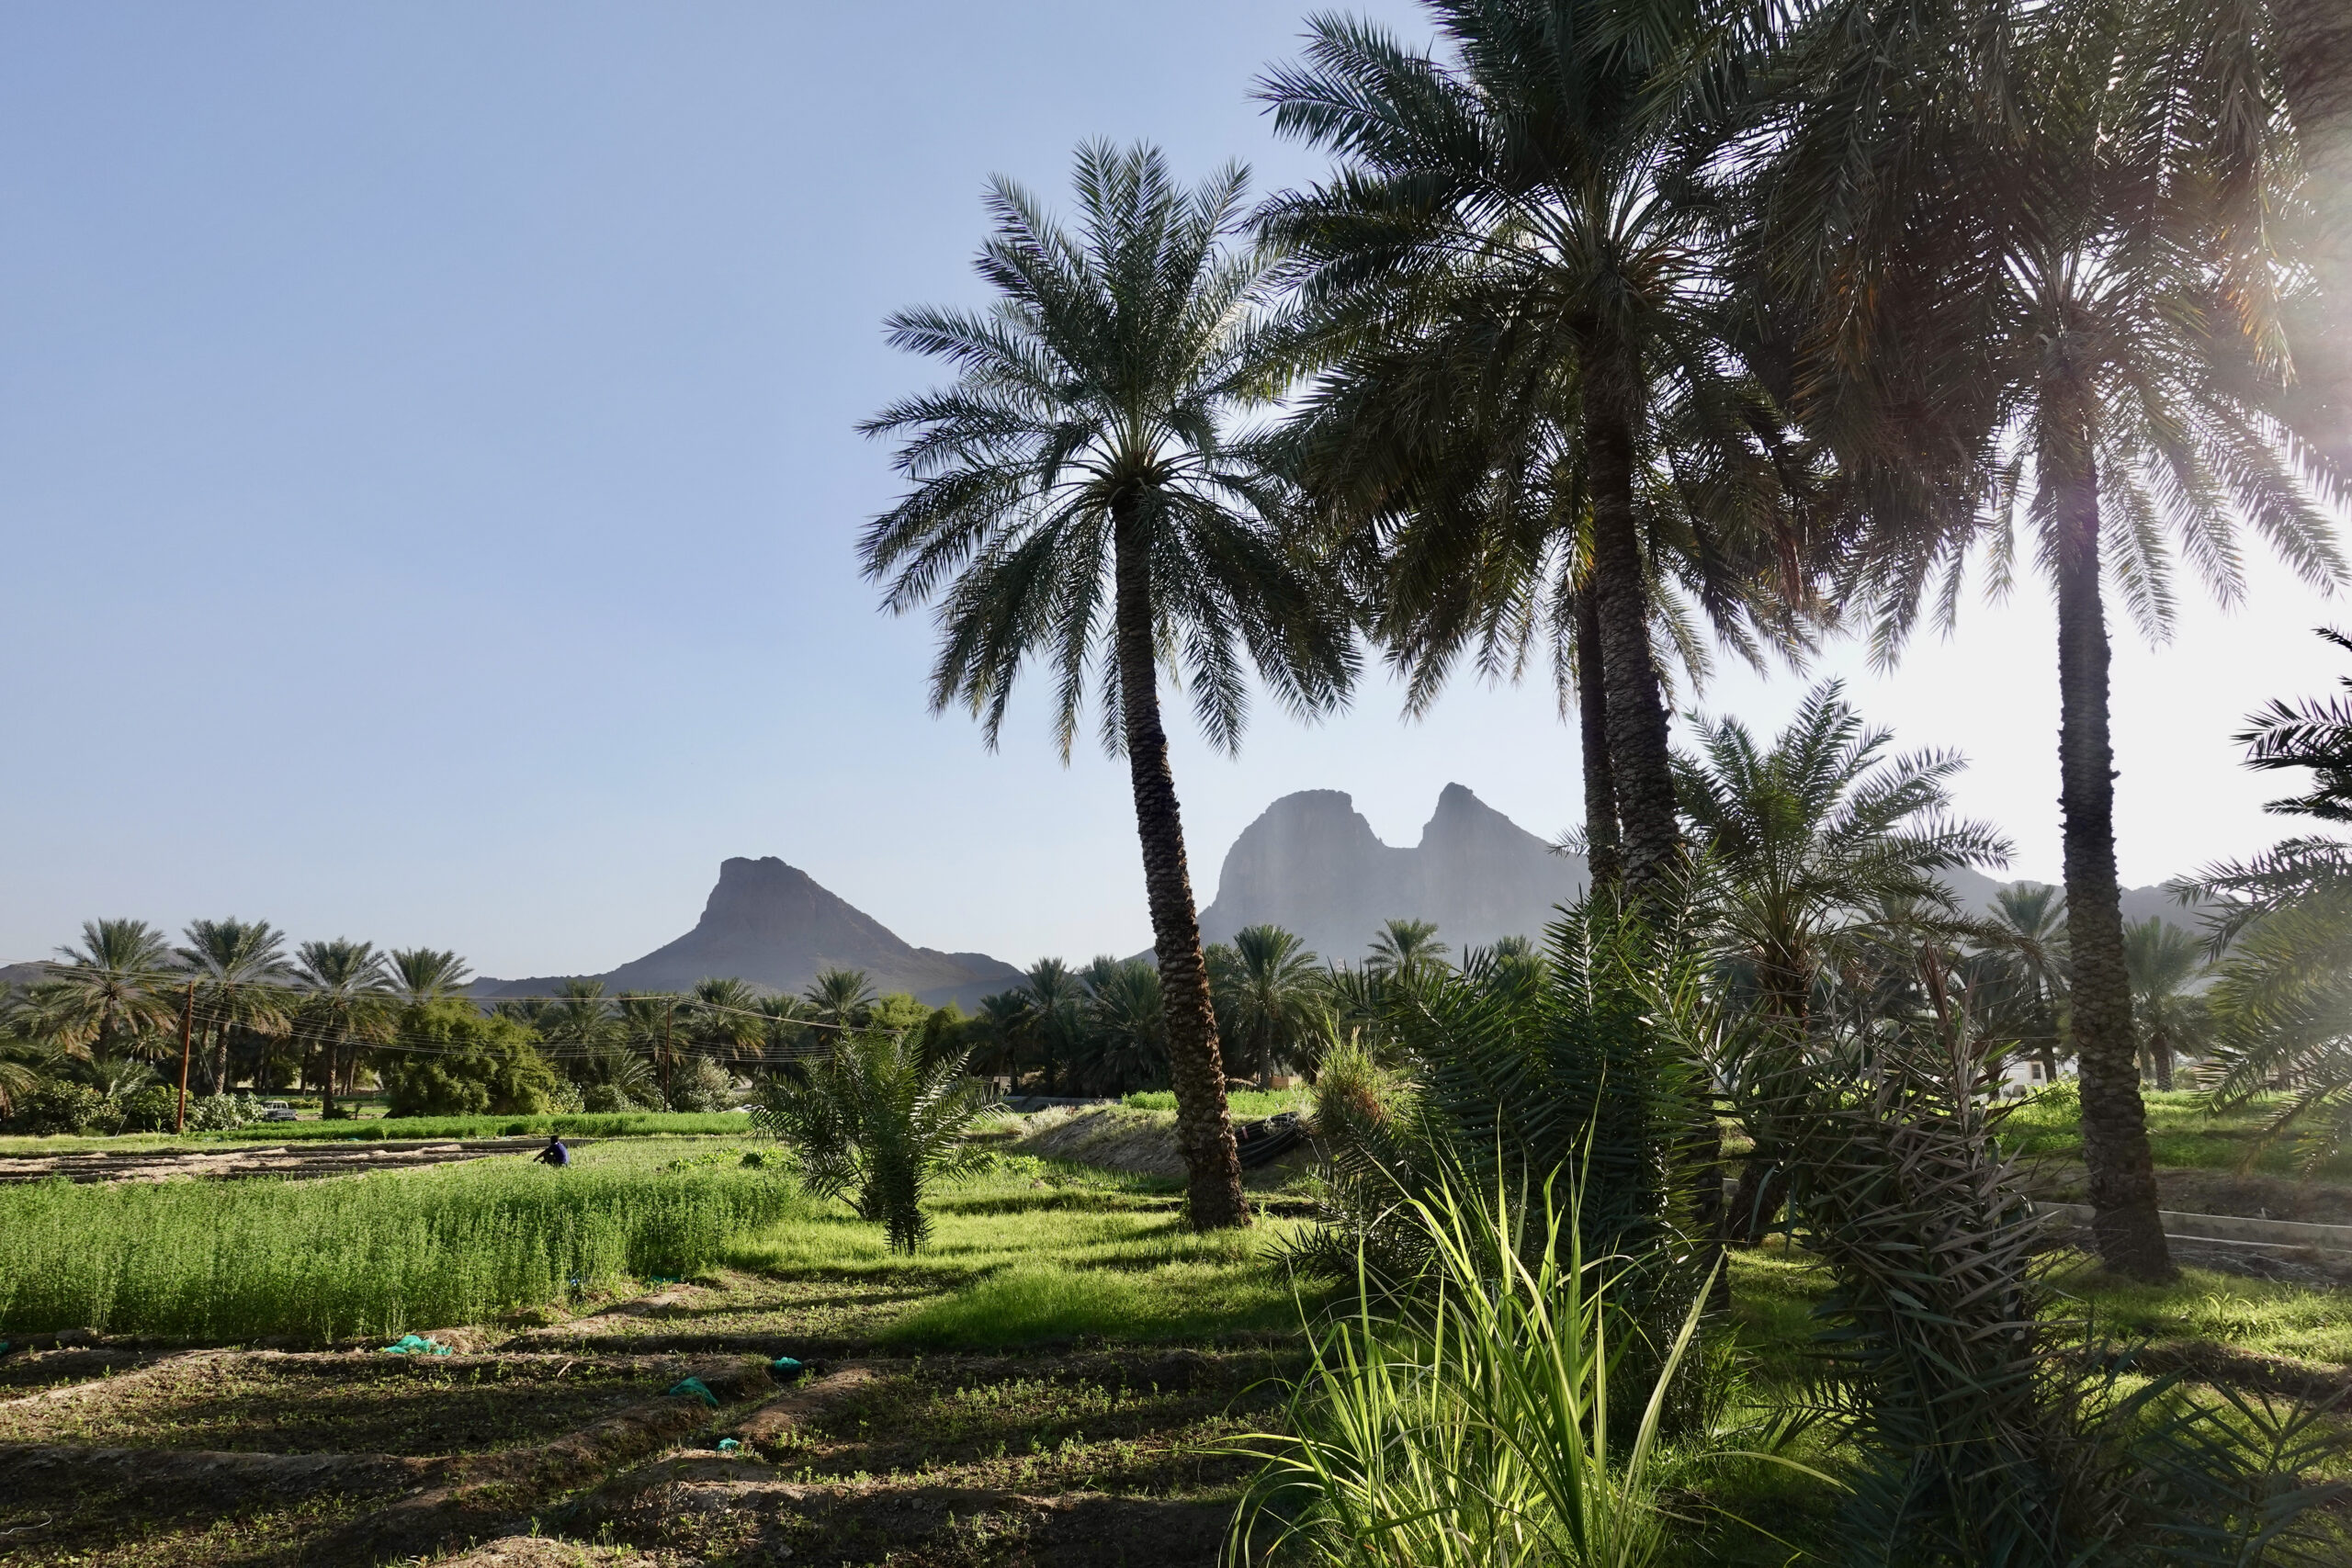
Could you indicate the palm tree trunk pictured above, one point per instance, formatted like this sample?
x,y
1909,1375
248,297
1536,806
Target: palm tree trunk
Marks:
x,y
1204,1129
1639,760
1634,706
2130,1237
1603,858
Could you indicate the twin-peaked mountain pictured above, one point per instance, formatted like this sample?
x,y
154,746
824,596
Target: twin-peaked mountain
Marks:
x,y
1311,863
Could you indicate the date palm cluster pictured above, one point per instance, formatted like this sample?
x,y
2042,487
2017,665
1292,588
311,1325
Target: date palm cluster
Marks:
x,y
1622,336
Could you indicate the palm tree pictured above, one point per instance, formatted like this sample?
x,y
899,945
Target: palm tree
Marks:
x,y
422,975
1057,1022
1813,850
1003,1022
2028,919
2163,961
1126,1033
1803,838
578,1021
1404,951
1078,493
1270,990
348,1000
2281,1000
725,1019
241,972
2056,290
111,992
1533,411
839,999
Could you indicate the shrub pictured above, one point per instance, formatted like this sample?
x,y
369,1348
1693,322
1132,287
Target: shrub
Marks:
x,y
55,1107
218,1113
155,1109
700,1084
458,1062
873,1120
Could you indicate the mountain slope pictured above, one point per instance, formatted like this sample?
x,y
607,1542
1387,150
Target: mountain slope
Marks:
x,y
773,925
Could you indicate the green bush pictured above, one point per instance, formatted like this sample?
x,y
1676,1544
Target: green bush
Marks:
x,y
56,1107
155,1109
451,1060
700,1084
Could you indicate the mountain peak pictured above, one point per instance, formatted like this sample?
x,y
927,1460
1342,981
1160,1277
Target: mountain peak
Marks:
x,y
772,924
1311,863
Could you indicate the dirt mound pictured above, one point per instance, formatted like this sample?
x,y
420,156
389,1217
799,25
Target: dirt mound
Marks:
x,y
1115,1137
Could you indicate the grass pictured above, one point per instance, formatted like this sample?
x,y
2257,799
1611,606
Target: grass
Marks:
x,y
1245,1104
2183,1133
1033,1250
318,1261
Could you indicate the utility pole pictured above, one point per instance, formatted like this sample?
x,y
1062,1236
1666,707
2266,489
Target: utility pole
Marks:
x,y
188,1032
668,1008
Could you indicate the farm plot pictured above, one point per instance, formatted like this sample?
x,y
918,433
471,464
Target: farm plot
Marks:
x,y
1055,1381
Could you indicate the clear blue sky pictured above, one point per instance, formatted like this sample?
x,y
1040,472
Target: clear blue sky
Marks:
x,y
427,488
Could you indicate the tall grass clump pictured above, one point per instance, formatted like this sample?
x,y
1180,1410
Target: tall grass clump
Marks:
x,y
316,1261
1481,1423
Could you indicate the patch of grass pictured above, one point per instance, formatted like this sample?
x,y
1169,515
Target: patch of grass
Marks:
x,y
2269,1318
1245,1104
2183,1131
1015,1257
1032,1301
316,1261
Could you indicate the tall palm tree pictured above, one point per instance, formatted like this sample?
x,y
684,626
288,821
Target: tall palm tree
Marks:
x,y
241,974
2056,292
2164,961
1531,405
1270,989
422,975
110,993
1078,493
347,999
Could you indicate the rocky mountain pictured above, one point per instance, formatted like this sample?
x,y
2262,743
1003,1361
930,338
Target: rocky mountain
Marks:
x,y
772,925
1311,863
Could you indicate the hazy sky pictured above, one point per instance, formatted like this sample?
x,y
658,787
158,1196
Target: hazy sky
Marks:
x,y
427,488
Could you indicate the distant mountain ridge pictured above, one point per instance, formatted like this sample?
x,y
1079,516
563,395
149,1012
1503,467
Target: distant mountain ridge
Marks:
x,y
775,925
1312,864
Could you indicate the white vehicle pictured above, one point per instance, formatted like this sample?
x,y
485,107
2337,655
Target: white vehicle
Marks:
x,y
276,1110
